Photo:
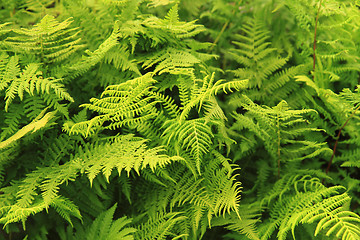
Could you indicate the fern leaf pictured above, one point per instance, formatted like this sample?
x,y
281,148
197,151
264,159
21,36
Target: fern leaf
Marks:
x,y
50,39
127,103
120,153
159,227
94,57
66,208
171,60
244,226
194,136
34,126
104,227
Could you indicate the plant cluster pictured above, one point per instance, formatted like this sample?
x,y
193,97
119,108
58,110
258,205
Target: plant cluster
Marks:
x,y
179,119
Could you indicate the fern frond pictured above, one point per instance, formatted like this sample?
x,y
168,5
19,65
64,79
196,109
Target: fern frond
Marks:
x,y
333,218
156,3
125,103
168,103
7,156
52,40
33,105
303,199
119,153
207,90
212,111
16,213
12,120
9,70
119,57
193,135
65,208
217,192
286,126
185,84
57,149
104,227
253,53
159,227
246,226
172,25
30,80
127,153
95,57
171,60
34,126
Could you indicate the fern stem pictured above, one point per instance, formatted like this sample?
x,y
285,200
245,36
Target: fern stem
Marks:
x,y
219,35
315,32
279,149
223,28
337,139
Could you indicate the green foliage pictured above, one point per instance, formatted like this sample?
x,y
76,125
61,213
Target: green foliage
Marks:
x,y
282,130
104,227
162,119
52,40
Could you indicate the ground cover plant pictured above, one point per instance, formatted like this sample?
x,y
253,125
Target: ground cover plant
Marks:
x,y
167,119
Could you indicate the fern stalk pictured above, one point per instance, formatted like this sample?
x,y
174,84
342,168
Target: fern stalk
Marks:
x,y
223,28
315,33
337,139
279,147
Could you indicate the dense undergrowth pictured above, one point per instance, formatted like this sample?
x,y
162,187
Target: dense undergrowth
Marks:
x,y
165,119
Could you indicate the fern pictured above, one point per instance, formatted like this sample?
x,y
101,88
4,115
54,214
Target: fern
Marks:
x,y
159,227
94,57
194,136
30,81
215,193
48,179
117,104
311,201
263,65
104,227
171,60
280,129
52,40
176,110
244,227
12,120
255,54
39,122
